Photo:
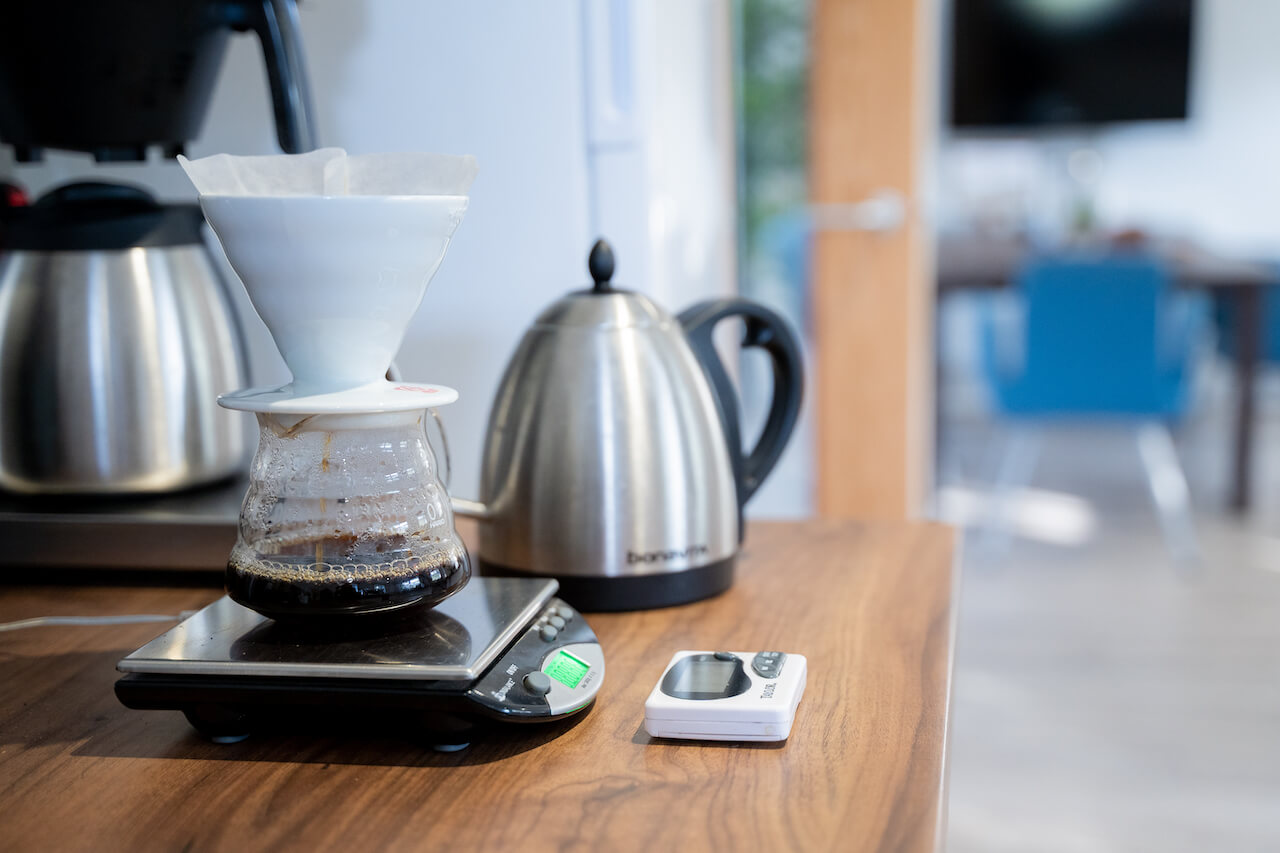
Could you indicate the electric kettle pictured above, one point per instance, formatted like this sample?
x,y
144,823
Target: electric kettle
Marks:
x,y
613,458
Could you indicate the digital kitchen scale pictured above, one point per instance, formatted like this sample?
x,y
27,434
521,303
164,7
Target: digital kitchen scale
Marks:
x,y
500,650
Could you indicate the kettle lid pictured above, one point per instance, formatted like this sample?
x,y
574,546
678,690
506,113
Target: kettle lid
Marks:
x,y
602,304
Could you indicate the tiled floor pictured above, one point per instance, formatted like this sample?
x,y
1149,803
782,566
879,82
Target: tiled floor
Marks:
x,y
1105,700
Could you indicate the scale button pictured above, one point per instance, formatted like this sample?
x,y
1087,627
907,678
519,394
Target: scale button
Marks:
x,y
557,622
537,682
726,656
548,633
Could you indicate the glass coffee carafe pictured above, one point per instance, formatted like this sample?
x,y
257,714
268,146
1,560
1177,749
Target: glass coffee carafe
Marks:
x,y
344,514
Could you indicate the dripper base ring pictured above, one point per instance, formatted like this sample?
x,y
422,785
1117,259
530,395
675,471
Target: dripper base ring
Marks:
x,y
380,396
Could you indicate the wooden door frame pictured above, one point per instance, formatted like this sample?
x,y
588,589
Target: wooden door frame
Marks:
x,y
872,127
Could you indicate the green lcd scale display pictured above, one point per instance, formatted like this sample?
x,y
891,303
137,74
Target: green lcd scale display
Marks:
x,y
567,669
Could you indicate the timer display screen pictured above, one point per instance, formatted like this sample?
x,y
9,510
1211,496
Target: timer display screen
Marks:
x,y
567,669
703,676
706,676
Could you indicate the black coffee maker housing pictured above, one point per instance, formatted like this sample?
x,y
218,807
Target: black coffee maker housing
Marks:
x,y
117,332
113,77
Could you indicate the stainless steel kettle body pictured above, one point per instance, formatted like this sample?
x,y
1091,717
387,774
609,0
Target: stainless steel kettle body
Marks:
x,y
612,459
111,361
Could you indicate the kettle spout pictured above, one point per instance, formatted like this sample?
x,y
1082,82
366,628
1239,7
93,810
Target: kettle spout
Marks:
x,y
471,509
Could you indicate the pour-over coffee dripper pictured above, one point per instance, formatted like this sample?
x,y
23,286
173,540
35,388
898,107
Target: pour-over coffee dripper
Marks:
x,y
345,512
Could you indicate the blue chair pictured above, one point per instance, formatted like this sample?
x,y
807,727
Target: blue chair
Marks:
x,y
1099,339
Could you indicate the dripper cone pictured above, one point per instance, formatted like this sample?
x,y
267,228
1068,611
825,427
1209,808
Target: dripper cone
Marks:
x,y
335,252
335,279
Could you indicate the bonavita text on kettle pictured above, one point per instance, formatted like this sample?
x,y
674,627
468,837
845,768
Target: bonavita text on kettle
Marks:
x,y
666,556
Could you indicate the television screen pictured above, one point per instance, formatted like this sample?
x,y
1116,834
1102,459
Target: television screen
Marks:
x,y
1019,63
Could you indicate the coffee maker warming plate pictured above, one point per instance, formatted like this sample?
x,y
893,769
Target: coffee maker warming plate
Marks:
x,y
188,531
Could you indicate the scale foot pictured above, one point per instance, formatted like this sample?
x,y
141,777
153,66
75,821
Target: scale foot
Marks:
x,y
228,738
220,725
449,747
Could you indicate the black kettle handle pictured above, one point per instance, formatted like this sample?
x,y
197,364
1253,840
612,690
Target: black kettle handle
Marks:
x,y
768,331
276,24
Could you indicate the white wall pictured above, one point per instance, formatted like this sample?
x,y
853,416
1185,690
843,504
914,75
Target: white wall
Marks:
x,y
1215,179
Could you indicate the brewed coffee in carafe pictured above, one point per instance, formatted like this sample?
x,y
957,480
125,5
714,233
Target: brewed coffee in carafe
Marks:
x,y
345,512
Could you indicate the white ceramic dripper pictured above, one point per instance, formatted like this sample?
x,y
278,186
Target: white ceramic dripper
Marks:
x,y
335,279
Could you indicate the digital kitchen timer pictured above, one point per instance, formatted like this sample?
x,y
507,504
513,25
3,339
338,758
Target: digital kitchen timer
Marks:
x,y
741,696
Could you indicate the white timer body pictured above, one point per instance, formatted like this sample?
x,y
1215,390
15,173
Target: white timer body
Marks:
x,y
737,696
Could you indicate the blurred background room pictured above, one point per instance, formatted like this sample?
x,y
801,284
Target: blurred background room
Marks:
x,y
1033,251
1096,190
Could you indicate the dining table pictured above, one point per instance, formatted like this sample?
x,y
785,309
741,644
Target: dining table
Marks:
x,y
991,261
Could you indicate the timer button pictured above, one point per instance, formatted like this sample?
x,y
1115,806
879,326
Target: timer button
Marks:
x,y
537,683
768,664
557,622
725,656
564,613
548,633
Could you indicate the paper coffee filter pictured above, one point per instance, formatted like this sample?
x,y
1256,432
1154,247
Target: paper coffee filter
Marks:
x,y
332,172
405,173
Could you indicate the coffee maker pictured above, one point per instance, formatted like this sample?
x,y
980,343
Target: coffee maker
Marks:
x,y
116,328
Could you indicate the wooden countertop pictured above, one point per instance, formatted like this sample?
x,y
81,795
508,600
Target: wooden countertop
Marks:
x,y
870,605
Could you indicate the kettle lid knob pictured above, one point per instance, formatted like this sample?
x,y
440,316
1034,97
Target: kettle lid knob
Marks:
x,y
600,264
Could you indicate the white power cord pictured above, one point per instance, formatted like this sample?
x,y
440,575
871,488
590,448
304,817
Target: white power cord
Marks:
x,y
92,620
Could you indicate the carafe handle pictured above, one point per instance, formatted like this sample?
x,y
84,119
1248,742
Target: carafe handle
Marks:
x,y
768,331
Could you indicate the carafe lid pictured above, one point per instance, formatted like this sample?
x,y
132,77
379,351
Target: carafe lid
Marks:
x,y
602,305
96,215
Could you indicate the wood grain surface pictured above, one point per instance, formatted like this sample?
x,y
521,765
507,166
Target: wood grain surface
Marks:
x,y
870,605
